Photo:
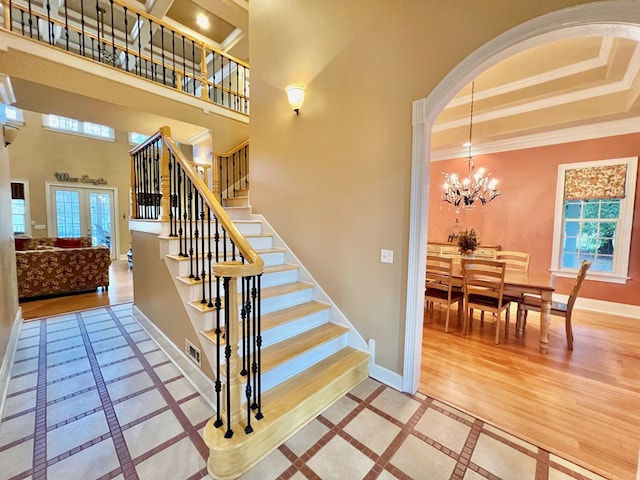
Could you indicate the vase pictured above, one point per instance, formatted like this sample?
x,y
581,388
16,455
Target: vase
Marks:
x,y
467,254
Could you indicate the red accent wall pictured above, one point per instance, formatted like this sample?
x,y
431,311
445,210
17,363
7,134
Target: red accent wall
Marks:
x,y
522,217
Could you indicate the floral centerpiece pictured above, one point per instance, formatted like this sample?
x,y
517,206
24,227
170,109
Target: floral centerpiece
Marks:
x,y
467,241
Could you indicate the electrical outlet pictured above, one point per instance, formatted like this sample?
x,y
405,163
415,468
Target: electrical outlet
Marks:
x,y
386,256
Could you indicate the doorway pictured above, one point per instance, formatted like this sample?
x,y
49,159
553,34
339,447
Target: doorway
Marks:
x,y
75,211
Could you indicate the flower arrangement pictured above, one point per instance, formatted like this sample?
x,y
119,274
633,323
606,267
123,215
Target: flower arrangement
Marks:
x,y
467,241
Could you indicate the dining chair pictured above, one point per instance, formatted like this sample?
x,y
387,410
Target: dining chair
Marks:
x,y
439,287
559,309
483,287
514,260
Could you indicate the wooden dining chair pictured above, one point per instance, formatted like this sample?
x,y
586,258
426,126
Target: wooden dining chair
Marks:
x,y
514,260
439,286
559,309
483,287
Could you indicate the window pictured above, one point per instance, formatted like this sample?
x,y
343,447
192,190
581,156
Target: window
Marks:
x,y
11,115
71,125
594,214
20,207
136,138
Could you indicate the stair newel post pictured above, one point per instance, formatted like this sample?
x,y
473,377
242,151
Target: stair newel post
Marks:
x,y
204,90
233,388
165,199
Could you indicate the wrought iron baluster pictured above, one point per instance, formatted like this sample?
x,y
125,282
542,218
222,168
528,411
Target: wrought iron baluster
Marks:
x,y
172,230
190,209
113,39
227,356
164,68
185,210
234,179
84,52
193,66
196,233
173,54
139,25
203,274
153,67
237,91
50,40
179,211
66,26
126,39
209,256
218,385
30,21
217,239
254,363
258,332
247,341
185,83
243,322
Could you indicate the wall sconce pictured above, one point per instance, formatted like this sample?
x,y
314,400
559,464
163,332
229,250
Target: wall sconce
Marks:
x,y
9,132
295,94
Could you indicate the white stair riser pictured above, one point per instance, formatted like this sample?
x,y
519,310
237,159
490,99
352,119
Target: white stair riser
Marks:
x,y
299,325
272,304
249,228
279,278
272,258
257,243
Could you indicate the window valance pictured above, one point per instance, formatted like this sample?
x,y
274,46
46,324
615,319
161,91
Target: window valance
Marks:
x,y
595,182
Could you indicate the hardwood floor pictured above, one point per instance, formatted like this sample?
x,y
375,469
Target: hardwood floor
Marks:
x,y
120,291
583,405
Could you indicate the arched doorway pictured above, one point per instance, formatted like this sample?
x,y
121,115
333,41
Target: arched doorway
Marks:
x,y
616,18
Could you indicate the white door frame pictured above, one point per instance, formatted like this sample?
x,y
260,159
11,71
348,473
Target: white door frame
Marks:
x,y
618,18
115,231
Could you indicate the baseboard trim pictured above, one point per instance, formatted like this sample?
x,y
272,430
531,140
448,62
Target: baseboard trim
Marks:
x,y
203,384
386,376
7,361
603,306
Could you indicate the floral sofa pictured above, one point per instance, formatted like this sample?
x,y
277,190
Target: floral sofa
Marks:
x,y
54,266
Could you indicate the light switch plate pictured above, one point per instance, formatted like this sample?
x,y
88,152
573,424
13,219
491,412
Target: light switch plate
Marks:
x,y
386,256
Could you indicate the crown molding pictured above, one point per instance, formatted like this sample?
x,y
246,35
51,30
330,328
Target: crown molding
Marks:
x,y
565,135
606,49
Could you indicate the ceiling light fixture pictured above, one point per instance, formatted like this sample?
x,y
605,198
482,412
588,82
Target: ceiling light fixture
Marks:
x,y
295,95
476,187
202,21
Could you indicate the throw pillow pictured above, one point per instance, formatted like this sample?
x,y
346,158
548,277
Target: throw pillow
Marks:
x,y
20,244
68,243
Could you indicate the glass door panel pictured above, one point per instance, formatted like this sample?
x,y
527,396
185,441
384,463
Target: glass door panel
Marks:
x,y
84,212
101,214
67,210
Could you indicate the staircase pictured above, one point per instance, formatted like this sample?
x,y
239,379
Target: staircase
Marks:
x,y
307,360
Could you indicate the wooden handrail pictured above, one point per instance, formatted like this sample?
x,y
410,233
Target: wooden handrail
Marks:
x,y
255,264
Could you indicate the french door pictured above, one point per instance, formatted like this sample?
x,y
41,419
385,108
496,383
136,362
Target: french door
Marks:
x,y
83,212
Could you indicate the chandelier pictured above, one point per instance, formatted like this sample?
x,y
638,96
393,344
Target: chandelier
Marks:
x,y
476,187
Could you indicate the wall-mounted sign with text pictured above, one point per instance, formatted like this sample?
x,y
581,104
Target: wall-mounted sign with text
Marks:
x,y
65,177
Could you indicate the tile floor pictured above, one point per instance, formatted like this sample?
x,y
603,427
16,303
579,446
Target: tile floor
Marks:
x,y
92,396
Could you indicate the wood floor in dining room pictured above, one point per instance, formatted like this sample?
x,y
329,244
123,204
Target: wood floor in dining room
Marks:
x,y
583,404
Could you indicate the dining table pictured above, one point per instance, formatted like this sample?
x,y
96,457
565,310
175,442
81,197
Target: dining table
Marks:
x,y
518,283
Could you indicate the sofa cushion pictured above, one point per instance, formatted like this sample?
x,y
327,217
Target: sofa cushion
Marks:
x,y
68,243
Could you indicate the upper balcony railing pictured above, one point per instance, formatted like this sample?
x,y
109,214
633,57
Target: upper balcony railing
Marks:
x,y
131,40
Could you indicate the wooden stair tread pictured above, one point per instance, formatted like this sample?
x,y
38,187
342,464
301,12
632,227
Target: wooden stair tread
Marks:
x,y
292,347
266,293
270,269
290,405
274,319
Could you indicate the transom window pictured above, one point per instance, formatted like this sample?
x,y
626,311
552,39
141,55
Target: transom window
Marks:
x,y
77,127
594,215
11,114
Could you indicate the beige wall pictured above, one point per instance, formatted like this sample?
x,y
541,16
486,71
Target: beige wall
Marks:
x,y
37,154
8,284
335,181
156,295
